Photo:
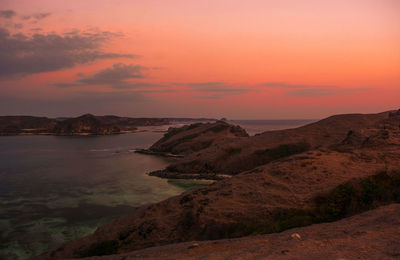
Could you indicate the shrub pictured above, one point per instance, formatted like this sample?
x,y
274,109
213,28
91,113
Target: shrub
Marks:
x,y
218,128
233,150
283,150
107,247
193,126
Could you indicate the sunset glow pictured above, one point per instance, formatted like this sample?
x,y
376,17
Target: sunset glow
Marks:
x,y
235,59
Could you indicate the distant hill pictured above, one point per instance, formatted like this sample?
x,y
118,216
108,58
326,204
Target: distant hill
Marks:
x,y
83,125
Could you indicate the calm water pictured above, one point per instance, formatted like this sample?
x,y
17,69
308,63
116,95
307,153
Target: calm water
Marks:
x,y
54,189
258,126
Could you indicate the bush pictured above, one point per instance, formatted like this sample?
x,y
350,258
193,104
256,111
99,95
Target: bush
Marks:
x,y
233,150
283,150
107,247
219,128
193,126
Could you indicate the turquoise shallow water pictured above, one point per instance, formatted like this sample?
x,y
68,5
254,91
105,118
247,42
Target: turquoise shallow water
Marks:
x,y
54,189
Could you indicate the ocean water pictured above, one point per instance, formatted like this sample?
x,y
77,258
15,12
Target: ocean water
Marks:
x,y
57,188
253,127
54,189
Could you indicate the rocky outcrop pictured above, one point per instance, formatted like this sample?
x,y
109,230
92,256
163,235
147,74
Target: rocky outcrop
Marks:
x,y
196,137
86,124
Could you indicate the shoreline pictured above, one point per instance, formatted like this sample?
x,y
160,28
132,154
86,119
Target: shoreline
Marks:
x,y
163,154
72,134
163,174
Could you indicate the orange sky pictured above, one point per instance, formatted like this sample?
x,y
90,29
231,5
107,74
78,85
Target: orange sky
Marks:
x,y
235,59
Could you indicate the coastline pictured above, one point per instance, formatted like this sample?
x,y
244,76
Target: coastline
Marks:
x,y
73,134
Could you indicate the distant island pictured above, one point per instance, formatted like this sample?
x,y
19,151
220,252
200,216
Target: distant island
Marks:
x,y
83,125
344,169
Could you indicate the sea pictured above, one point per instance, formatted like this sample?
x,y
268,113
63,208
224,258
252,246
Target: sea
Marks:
x,y
55,189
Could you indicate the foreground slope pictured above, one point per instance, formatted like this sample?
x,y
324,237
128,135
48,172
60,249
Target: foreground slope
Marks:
x,y
356,170
371,235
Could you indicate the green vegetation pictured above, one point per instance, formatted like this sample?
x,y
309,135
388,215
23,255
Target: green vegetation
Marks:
x,y
345,200
219,128
187,184
283,150
107,247
193,126
233,150
355,197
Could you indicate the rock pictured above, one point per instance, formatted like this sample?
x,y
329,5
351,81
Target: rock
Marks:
x,y
295,236
194,245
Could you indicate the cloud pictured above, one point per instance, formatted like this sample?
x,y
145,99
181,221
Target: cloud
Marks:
x,y
117,77
22,55
288,85
318,92
35,17
41,16
216,89
300,90
7,14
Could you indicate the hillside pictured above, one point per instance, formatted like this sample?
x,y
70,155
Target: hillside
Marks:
x,y
354,169
230,156
371,235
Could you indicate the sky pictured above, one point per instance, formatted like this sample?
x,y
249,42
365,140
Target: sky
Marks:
x,y
256,59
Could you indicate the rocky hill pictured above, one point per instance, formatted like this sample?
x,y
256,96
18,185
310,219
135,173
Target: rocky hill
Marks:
x,y
230,156
350,165
196,137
